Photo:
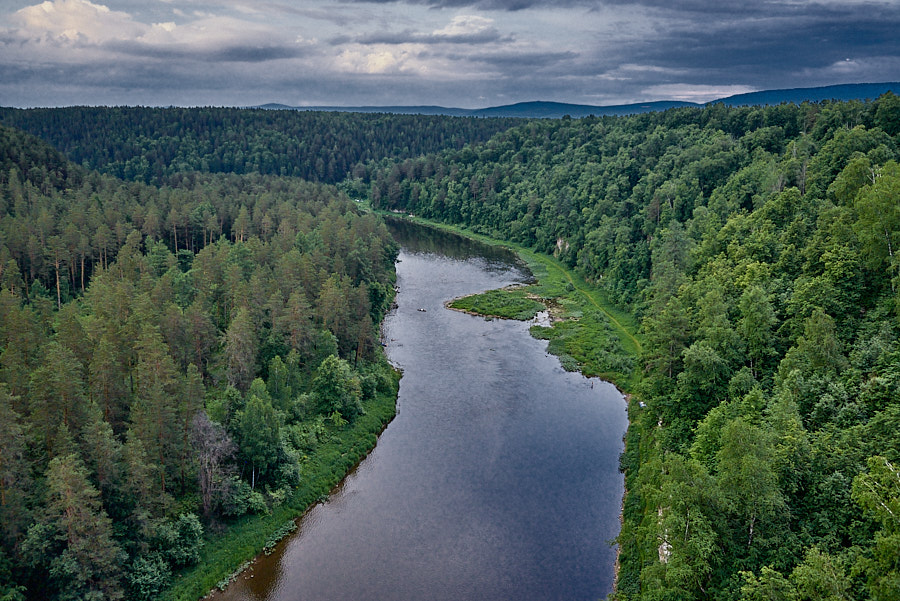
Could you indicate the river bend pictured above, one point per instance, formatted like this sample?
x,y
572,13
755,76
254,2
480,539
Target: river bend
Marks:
x,y
498,479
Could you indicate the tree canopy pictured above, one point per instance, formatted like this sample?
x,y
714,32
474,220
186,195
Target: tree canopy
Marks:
x,y
141,331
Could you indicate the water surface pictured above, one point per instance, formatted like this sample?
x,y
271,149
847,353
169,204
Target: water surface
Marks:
x,y
497,479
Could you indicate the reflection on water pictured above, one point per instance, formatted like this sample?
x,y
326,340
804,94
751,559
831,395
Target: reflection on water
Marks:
x,y
497,480
417,239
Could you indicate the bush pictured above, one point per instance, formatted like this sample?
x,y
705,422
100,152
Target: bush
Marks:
x,y
148,576
179,542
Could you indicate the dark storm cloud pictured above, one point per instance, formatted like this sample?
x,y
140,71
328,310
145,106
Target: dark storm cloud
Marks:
x,y
512,63
684,7
502,5
340,16
134,77
712,41
782,42
237,53
517,5
475,53
150,83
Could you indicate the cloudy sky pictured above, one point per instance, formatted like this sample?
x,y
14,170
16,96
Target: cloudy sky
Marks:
x,y
464,53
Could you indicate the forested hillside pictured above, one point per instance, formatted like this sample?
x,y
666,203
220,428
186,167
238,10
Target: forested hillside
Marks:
x,y
759,247
152,144
172,359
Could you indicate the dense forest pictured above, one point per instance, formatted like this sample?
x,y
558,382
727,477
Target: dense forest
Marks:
x,y
152,144
171,358
758,246
175,345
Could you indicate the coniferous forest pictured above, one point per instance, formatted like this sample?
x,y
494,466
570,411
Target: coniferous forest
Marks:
x,y
152,144
172,357
179,336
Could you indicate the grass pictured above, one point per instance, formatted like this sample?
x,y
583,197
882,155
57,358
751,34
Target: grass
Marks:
x,y
508,303
225,552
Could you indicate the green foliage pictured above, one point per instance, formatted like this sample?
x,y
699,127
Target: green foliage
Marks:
x,y
285,530
878,492
878,219
148,576
590,334
506,304
755,246
770,585
153,144
322,470
337,389
259,435
242,499
9,590
180,541
72,542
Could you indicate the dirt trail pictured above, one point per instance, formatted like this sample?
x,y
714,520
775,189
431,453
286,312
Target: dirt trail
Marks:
x,y
619,326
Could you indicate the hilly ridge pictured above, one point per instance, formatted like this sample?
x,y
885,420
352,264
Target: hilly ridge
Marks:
x,y
854,91
527,110
556,110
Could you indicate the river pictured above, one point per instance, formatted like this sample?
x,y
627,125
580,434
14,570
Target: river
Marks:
x,y
498,479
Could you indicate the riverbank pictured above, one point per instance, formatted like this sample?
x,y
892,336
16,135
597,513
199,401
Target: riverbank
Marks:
x,y
589,334
225,552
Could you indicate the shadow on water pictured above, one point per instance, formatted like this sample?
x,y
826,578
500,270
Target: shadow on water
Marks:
x,y
416,238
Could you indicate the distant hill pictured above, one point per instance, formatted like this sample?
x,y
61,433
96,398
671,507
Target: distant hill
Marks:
x,y
396,110
527,110
851,91
557,110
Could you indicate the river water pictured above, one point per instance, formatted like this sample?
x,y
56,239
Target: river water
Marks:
x,y
497,479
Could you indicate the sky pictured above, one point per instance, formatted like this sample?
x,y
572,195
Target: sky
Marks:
x,y
454,53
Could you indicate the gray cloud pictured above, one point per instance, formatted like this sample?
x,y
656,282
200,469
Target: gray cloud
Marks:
x,y
760,44
437,52
519,61
778,45
692,7
238,53
502,5
410,37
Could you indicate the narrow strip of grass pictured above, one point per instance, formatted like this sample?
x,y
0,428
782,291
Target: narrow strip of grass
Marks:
x,y
242,540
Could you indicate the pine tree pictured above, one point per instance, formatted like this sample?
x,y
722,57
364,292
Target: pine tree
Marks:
x,y
56,394
15,482
73,539
240,350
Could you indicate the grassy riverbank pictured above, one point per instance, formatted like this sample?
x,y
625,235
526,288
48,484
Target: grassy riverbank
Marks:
x,y
226,551
589,334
